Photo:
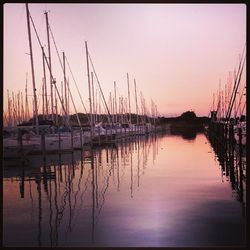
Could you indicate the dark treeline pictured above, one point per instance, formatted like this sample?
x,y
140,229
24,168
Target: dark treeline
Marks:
x,y
104,118
185,119
188,117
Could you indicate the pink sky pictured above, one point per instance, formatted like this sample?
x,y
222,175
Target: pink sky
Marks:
x,y
176,52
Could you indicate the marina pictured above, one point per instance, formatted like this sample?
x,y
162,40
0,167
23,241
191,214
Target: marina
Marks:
x,y
109,139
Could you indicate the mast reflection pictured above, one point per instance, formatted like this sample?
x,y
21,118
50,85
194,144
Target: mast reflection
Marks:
x,y
71,190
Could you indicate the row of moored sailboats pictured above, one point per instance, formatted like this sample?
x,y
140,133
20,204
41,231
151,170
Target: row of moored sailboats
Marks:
x,y
48,135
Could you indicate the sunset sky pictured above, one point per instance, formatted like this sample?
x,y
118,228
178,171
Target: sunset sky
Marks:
x,y
178,53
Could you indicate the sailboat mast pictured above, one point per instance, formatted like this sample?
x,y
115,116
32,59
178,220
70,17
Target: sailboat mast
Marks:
x,y
62,98
137,118
9,111
22,109
115,102
26,100
90,103
65,88
93,96
43,102
68,98
13,109
142,109
45,85
32,69
51,80
18,106
220,99
111,106
96,106
129,109
56,110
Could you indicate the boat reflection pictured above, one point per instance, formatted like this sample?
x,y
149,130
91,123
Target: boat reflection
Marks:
x,y
69,198
66,189
233,169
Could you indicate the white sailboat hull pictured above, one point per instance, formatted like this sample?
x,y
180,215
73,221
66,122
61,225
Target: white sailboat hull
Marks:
x,y
53,142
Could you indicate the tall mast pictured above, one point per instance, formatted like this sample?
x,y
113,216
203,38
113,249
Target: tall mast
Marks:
x,y
22,109
45,85
51,79
142,109
96,106
56,110
137,119
115,102
121,108
129,110
9,110
32,69
13,109
68,98
43,102
90,103
93,96
65,88
62,97
220,98
99,107
225,100
26,100
213,101
111,106
18,106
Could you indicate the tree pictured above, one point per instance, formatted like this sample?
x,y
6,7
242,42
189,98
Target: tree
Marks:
x,y
188,115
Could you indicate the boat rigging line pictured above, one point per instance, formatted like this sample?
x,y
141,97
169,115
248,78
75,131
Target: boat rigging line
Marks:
x,y
77,89
54,82
71,75
105,103
233,95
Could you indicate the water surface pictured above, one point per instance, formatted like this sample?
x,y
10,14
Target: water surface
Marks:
x,y
156,191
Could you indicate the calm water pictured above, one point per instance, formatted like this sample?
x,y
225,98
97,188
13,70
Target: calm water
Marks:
x,y
157,191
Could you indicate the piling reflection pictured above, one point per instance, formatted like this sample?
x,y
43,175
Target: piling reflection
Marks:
x,y
233,167
66,198
65,190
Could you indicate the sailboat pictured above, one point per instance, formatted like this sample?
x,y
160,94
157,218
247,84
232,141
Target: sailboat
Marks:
x,y
37,138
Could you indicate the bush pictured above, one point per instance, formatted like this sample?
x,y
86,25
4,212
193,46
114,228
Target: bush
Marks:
x,y
188,115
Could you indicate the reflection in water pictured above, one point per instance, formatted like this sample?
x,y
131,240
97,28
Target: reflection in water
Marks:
x,y
187,134
118,195
233,166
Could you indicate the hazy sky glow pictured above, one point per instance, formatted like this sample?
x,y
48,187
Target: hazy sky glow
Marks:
x,y
176,52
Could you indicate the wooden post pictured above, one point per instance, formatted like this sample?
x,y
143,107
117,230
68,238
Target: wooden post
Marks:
x,y
115,131
59,143
240,141
222,134
43,144
241,189
72,144
231,136
106,135
22,182
20,141
99,135
225,135
81,139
